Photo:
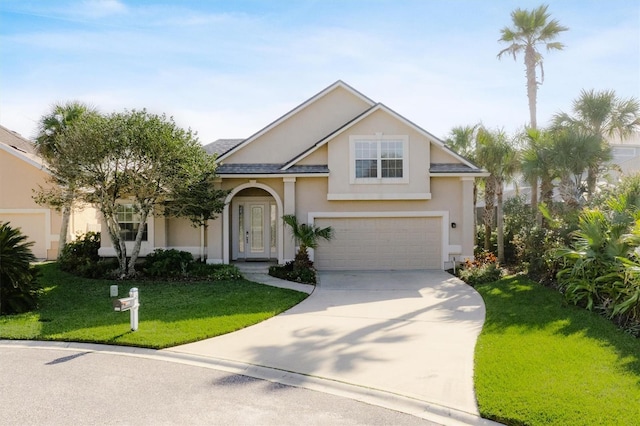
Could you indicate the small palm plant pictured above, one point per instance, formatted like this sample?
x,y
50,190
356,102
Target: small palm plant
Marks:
x,y
17,278
306,235
301,268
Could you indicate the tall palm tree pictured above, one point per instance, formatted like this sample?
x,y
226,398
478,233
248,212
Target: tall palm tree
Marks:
x,y
496,154
50,128
604,115
530,30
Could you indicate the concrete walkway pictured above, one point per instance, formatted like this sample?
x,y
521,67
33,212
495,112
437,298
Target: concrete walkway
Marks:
x,y
409,335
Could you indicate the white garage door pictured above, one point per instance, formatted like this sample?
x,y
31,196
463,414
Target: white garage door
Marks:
x,y
381,243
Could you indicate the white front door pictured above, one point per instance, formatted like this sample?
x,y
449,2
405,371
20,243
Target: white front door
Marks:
x,y
253,229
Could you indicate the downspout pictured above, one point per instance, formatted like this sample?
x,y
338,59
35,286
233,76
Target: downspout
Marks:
x,y
202,259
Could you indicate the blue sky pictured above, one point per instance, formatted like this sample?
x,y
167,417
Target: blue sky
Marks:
x,y
228,68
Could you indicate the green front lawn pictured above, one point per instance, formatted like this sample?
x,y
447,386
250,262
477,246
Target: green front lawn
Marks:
x,y
542,362
171,313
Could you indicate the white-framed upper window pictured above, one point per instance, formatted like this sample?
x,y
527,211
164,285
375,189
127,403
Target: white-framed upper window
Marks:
x,y
379,158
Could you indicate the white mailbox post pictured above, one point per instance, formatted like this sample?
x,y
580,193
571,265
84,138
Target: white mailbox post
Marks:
x,y
130,304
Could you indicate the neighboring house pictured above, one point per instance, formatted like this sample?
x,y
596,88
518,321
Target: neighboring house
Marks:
x,y
396,197
626,158
21,172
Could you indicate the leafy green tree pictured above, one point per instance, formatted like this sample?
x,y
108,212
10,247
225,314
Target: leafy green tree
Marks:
x,y
135,156
604,115
200,201
17,278
62,194
498,156
306,235
531,29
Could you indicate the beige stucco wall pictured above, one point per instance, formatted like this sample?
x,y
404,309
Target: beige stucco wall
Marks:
x,y
340,161
181,234
440,155
319,156
18,179
293,136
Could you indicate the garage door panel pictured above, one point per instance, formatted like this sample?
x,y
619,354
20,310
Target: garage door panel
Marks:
x,y
381,243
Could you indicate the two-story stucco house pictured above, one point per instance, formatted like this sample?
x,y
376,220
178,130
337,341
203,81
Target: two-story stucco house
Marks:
x,y
396,197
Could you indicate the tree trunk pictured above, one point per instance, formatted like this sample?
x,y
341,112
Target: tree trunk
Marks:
x,y
532,84
500,224
534,201
135,252
113,229
66,214
64,229
592,177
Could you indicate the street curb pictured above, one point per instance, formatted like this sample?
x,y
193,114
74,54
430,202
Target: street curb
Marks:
x,y
397,402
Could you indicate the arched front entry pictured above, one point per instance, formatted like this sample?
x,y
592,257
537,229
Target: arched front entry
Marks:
x,y
247,228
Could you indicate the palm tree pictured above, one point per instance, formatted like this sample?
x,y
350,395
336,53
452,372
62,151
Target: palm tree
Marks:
x,y
496,154
50,129
531,29
604,115
575,151
539,159
462,140
16,276
307,235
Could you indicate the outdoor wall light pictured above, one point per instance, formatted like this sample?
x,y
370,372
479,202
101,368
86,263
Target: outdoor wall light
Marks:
x,y
453,225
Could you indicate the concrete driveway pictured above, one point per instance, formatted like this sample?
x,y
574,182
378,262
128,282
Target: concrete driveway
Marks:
x,y
405,333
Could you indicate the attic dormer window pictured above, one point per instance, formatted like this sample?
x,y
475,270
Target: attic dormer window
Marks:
x,y
379,159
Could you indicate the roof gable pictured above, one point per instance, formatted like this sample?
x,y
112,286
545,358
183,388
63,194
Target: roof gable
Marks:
x,y
291,114
20,147
379,107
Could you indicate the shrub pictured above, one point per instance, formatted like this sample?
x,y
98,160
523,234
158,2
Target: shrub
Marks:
x,y
167,263
295,270
180,264
80,257
483,269
214,272
18,279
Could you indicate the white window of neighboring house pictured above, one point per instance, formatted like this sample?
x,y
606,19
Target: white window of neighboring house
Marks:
x,y
129,221
379,159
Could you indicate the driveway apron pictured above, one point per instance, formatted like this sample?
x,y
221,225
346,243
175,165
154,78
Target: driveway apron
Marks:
x,y
410,333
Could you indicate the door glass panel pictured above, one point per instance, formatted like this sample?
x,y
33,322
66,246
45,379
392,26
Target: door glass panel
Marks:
x,y
257,229
241,228
273,228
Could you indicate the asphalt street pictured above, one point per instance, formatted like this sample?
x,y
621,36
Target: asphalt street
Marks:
x,y
60,387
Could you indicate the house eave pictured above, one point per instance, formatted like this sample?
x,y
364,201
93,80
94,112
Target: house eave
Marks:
x,y
469,174
270,175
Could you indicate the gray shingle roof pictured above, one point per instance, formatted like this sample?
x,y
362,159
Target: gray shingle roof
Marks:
x,y
267,168
452,168
16,141
221,146
20,145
